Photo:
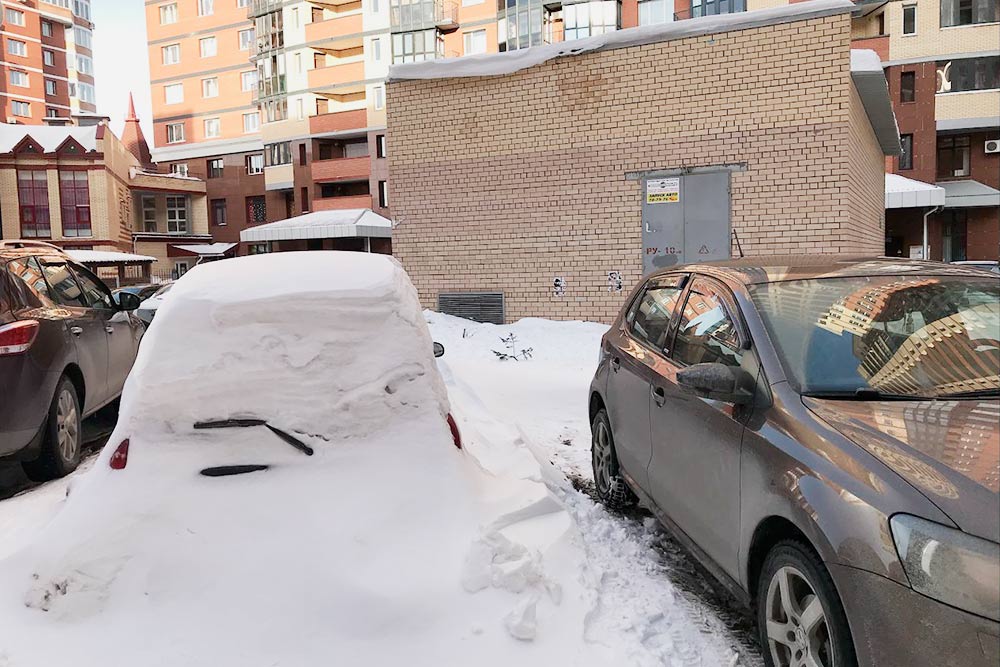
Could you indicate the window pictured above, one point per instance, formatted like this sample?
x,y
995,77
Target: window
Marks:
x,y
19,108
475,42
213,128
74,200
909,19
219,216
215,167
46,28
177,214
300,109
967,74
255,164
207,47
242,3
907,87
585,19
714,7
173,93
50,87
707,331
417,46
377,50
649,317
175,133
19,78
953,156
180,169
251,122
95,294
33,200
248,80
246,39
85,92
51,112
48,58
148,213
969,12
84,64
17,48
275,110
210,87
302,155
171,54
653,12
63,285
379,145
383,194
304,199
906,157
206,7
523,23
257,249
954,235
276,154
469,3
65,4
81,8
256,210
379,97
180,268
83,37
168,14
14,17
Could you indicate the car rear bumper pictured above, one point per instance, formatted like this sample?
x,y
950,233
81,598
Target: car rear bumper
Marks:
x,y
24,402
894,625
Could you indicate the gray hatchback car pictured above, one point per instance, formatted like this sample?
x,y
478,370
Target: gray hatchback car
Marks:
x,y
823,434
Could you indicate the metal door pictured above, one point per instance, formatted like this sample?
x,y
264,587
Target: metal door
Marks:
x,y
685,218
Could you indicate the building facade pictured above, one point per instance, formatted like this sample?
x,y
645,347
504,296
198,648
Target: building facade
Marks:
x,y
47,69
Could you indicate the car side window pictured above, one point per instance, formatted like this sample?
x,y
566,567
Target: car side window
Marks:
x,y
649,319
96,294
30,282
62,283
707,332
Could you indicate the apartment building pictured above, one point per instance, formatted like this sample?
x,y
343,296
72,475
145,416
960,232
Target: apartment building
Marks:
x,y
942,62
47,66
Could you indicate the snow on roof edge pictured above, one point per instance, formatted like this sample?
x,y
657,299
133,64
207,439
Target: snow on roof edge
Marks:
x,y
508,62
103,256
869,82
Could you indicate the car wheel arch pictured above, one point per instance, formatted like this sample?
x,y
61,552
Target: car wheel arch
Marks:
x,y
770,531
596,405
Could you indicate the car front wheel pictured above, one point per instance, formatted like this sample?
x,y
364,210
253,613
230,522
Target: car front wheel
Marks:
x,y
799,614
63,437
612,489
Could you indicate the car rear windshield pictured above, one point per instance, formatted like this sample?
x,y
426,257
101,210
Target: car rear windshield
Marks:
x,y
920,336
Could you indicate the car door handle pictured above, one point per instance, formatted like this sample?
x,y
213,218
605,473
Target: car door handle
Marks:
x,y
76,331
616,363
659,397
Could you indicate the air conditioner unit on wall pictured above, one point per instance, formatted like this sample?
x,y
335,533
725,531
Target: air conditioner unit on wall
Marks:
x,y
993,146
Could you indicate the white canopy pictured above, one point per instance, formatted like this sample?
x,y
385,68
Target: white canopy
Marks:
x,y
207,249
344,223
902,192
969,193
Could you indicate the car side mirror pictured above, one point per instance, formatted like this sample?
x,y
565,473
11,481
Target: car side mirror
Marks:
x,y
128,301
718,382
438,349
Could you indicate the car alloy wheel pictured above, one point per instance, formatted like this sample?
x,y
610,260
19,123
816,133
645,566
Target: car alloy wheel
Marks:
x,y
67,426
797,630
603,458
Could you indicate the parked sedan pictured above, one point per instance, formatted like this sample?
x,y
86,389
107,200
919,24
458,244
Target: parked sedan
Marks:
x,y
824,434
66,346
150,304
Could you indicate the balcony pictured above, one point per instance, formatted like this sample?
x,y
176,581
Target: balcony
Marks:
x,y
257,8
424,14
339,121
335,75
878,43
339,203
341,169
351,23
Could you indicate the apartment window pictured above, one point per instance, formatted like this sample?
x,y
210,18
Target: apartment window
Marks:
x,y
206,7
584,19
219,213
177,214
148,214
17,48
33,199
251,122
213,128
180,268
207,47
14,17
300,109
383,194
255,164
475,42
277,154
46,28
908,87
304,199
65,4
377,50
83,37
85,92
969,12
173,93
302,155
380,145
175,133
48,58
379,97
74,202
298,63
654,12
257,249
248,80
19,78
275,110
909,19
210,87
256,210
246,39
171,54
242,3
417,46
84,64
714,7
81,8
50,87
19,108
215,167
168,14
180,169
953,156
51,112
968,74
906,158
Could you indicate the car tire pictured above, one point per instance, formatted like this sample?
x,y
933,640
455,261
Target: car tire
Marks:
x,y
799,612
612,489
63,439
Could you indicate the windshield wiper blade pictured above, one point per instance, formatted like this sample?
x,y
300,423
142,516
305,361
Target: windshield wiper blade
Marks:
x,y
246,422
867,394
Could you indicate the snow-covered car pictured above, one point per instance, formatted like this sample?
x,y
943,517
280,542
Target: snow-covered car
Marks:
x,y
149,306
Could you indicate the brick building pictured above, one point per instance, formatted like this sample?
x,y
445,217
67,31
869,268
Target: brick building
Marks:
x,y
641,149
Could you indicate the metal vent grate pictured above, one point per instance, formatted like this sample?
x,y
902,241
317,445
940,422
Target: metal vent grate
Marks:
x,y
477,306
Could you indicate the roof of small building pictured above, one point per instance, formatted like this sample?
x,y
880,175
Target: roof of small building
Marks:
x,y
969,193
206,249
902,192
48,137
344,223
107,257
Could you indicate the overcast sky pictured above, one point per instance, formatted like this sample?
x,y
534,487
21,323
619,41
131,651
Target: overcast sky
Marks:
x,y
121,62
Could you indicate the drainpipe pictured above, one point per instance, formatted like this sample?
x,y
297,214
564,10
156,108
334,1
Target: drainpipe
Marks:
x,y
927,249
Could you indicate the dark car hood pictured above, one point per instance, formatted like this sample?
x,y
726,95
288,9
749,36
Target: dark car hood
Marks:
x,y
949,450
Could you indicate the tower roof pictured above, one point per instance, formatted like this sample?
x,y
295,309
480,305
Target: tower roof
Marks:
x,y
133,138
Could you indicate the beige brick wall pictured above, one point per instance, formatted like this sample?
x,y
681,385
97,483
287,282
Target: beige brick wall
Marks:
x,y
865,186
972,104
503,183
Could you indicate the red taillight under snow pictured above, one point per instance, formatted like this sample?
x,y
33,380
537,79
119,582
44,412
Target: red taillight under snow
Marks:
x,y
17,337
455,435
120,458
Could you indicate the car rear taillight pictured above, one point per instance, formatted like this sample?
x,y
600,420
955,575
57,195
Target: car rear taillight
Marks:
x,y
120,458
17,337
455,435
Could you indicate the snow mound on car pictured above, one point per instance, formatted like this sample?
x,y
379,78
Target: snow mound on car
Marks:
x,y
331,344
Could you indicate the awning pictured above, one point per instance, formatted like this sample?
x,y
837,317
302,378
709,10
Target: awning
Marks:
x,y
207,249
959,194
869,81
108,257
902,192
346,223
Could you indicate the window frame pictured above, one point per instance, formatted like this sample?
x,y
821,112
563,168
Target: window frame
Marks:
x,y
911,76
902,19
729,304
683,279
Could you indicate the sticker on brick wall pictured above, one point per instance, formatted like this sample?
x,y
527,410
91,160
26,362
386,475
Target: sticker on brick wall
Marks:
x,y
614,281
663,190
558,286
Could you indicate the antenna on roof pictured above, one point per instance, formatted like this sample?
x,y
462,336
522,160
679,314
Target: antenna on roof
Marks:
x,y
738,246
